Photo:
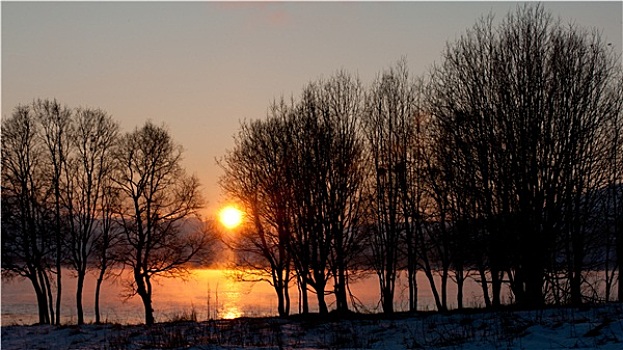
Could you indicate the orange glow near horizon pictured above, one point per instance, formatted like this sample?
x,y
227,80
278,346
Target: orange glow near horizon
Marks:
x,y
231,313
230,217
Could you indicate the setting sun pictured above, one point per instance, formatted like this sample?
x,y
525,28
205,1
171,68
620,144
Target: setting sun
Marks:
x,y
230,217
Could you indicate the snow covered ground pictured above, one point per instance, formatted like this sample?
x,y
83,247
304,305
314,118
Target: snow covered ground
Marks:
x,y
599,327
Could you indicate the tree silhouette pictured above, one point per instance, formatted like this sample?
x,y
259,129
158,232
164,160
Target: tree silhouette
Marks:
x,y
55,120
393,127
90,165
159,201
256,175
525,106
328,177
26,243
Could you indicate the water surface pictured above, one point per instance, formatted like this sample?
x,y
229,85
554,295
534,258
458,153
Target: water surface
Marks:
x,y
208,293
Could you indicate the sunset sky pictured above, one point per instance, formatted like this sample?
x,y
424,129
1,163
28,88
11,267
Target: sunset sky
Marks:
x,y
202,67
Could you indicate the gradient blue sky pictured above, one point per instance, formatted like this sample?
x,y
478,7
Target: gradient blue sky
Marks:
x,y
202,67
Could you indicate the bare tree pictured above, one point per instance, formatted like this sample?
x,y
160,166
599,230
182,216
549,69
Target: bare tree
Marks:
x,y
108,239
159,203
26,244
344,202
256,175
56,125
612,204
435,240
393,125
94,135
525,104
327,176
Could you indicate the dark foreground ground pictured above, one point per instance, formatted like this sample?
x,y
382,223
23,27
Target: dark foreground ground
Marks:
x,y
598,327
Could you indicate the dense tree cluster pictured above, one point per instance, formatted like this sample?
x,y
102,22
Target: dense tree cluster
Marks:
x,y
76,193
299,175
503,164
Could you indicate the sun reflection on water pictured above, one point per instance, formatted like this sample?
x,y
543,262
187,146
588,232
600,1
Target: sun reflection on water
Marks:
x,y
231,313
226,296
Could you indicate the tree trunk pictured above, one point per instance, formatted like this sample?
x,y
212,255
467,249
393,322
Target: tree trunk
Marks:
x,y
411,269
286,291
444,289
98,287
149,311
303,299
620,265
484,286
58,290
618,234
281,288
42,301
341,298
322,304
412,288
433,288
280,301
143,289
496,288
460,279
59,252
79,289
388,299
45,282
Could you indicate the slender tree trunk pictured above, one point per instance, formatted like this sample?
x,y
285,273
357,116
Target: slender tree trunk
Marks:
x,y
413,288
286,290
341,297
98,287
444,288
303,300
59,286
496,288
411,269
42,302
433,288
460,279
389,276
279,286
607,269
281,307
411,266
484,285
45,282
411,277
517,285
386,282
609,272
620,265
79,289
